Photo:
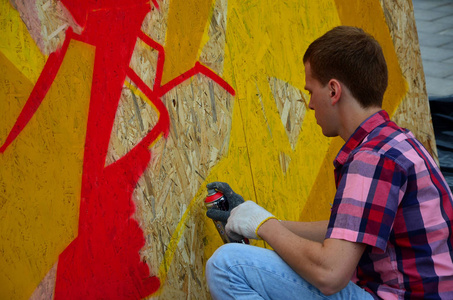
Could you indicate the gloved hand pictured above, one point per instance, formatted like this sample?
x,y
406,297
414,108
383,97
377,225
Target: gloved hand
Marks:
x,y
246,219
232,198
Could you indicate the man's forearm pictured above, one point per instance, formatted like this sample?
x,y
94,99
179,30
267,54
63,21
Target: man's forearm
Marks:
x,y
314,231
316,262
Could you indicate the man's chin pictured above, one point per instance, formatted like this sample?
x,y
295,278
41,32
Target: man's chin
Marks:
x,y
330,134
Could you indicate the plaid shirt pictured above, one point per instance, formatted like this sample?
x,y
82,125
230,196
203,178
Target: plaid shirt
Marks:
x,y
392,197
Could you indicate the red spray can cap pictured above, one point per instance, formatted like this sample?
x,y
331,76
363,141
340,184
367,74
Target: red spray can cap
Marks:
x,y
213,195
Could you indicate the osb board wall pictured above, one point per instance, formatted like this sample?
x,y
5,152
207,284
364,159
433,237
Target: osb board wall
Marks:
x,y
260,137
414,106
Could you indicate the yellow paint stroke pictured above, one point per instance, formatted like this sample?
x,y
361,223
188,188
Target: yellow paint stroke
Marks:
x,y
140,94
205,37
40,176
277,34
369,16
14,90
17,44
173,244
185,28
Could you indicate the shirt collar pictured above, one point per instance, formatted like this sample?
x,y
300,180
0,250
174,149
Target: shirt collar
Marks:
x,y
359,134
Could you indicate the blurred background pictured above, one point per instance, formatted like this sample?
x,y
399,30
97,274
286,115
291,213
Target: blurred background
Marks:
x,y
434,20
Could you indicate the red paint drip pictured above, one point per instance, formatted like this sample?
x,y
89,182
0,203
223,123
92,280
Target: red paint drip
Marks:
x,y
104,261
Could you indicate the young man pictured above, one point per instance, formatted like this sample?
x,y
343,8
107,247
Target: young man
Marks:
x,y
390,231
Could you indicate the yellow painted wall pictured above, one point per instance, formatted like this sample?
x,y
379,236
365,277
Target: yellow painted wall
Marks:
x,y
290,175
40,173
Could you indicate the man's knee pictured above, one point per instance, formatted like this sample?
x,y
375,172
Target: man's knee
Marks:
x,y
225,255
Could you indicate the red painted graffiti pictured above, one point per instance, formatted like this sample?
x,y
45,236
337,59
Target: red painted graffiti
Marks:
x,y
103,261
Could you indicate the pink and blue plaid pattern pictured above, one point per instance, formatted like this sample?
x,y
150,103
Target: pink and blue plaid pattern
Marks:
x,y
392,197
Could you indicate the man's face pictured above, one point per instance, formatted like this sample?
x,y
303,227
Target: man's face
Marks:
x,y
320,102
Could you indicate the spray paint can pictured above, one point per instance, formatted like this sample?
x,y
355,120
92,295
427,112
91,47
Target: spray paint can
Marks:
x,y
215,199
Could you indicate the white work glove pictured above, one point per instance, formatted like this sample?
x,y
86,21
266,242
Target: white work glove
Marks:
x,y
245,220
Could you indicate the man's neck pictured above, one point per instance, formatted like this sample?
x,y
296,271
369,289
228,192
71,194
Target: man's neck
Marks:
x,y
353,116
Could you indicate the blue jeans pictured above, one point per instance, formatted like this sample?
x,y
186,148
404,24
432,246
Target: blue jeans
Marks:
x,y
239,271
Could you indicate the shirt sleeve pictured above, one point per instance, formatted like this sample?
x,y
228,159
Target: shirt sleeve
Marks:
x,y
367,199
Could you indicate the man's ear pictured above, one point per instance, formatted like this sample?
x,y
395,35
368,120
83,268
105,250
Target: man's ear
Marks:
x,y
335,90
